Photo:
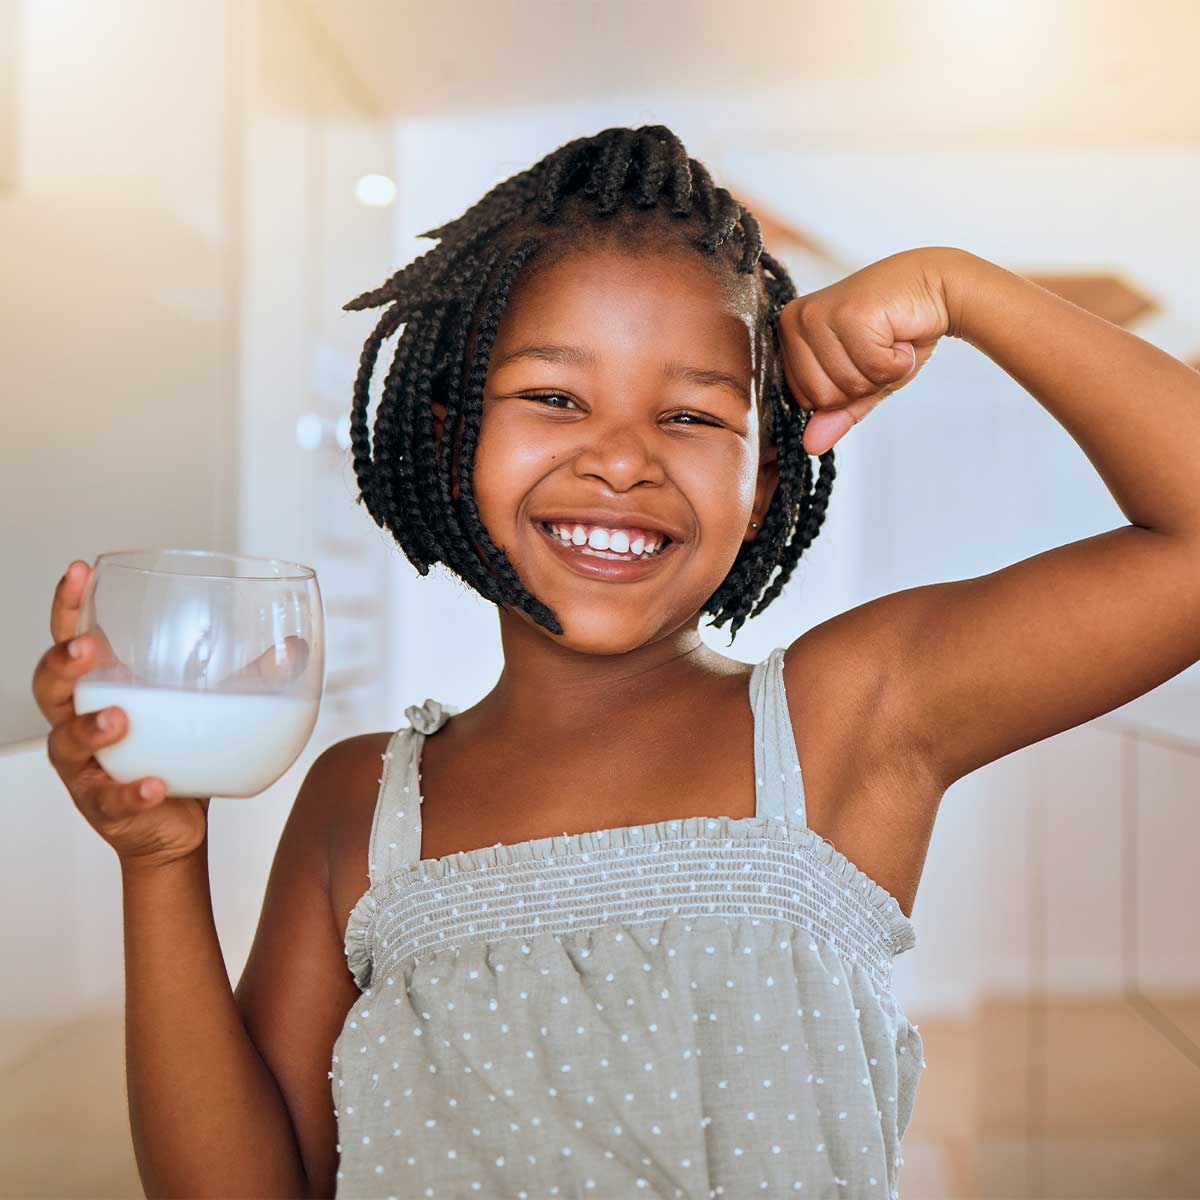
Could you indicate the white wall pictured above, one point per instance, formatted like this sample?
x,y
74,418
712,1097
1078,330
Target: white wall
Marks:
x,y
116,318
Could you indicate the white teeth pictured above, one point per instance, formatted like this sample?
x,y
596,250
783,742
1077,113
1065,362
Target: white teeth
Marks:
x,y
615,541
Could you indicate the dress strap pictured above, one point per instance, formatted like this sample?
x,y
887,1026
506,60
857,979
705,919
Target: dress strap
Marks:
x,y
778,784
396,826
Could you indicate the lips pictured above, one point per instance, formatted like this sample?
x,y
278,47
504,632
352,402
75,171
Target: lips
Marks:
x,y
593,566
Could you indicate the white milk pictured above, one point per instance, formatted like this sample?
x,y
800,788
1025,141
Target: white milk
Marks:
x,y
201,743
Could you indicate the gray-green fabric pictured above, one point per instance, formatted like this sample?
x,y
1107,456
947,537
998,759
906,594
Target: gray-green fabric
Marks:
x,y
685,1009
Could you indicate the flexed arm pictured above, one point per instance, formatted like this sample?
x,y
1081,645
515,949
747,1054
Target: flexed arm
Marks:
x,y
982,667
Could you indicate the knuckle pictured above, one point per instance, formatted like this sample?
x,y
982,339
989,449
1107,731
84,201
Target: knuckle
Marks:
x,y
110,804
847,315
825,395
58,747
810,315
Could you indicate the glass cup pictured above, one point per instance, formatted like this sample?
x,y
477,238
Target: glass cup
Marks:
x,y
217,659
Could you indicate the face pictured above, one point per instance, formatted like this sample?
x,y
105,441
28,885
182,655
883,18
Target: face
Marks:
x,y
647,411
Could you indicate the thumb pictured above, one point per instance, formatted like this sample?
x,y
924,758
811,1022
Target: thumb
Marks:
x,y
824,429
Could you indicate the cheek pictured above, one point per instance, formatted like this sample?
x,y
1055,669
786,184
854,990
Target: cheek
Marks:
x,y
720,486
507,465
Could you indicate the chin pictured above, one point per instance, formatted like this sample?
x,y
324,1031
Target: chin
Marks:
x,y
605,628
599,632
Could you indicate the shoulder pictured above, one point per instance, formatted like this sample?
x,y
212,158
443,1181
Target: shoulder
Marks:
x,y
348,770
351,754
342,768
341,782
345,785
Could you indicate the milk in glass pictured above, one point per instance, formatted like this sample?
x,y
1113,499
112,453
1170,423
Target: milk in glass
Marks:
x,y
201,743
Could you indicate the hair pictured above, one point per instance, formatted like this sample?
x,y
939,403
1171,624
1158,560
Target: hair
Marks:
x,y
633,188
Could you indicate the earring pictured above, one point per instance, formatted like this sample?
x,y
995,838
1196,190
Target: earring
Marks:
x,y
753,524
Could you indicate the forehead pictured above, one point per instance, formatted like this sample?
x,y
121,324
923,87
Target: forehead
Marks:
x,y
613,292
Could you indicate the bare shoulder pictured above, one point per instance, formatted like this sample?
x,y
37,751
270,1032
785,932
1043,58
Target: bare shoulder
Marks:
x,y
342,787
347,765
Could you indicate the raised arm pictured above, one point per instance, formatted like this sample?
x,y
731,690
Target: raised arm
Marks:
x,y
972,670
1007,659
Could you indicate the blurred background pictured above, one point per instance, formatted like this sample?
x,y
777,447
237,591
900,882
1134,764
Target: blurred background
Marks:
x,y
190,190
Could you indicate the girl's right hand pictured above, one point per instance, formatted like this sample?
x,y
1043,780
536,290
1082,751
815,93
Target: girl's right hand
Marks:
x,y
143,832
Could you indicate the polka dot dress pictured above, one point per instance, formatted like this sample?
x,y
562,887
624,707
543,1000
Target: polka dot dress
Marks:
x,y
685,1009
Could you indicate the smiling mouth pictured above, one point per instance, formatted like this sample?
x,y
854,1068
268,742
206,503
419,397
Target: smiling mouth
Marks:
x,y
604,564
592,552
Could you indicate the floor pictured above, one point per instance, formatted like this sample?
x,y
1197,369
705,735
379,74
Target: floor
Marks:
x,y
1070,1100
1112,1111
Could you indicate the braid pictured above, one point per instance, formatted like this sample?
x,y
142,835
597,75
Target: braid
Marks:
x,y
450,301
795,514
514,592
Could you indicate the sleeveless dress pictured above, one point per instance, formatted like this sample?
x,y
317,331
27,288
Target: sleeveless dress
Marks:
x,y
684,1009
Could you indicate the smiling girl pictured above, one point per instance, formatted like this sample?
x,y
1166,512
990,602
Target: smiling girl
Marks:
x,y
626,926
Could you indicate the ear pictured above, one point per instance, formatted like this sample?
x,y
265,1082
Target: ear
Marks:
x,y
764,490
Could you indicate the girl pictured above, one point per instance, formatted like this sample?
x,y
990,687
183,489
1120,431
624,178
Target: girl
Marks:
x,y
604,936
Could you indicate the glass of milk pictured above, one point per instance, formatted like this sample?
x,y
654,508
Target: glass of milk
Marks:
x,y
217,659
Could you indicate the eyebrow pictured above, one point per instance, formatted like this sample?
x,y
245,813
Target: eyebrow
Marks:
x,y
580,356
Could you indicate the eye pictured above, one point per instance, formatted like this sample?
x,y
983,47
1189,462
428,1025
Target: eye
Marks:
x,y
546,396
694,418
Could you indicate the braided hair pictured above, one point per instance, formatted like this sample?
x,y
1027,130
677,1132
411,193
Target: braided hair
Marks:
x,y
630,187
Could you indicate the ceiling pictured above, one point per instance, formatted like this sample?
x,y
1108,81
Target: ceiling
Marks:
x,y
951,72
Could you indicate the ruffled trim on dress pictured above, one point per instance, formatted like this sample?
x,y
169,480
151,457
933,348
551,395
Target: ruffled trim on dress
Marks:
x,y
358,938
896,927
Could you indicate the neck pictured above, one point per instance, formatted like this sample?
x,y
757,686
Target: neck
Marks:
x,y
554,688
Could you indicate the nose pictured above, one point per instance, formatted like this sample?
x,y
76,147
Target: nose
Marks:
x,y
619,456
